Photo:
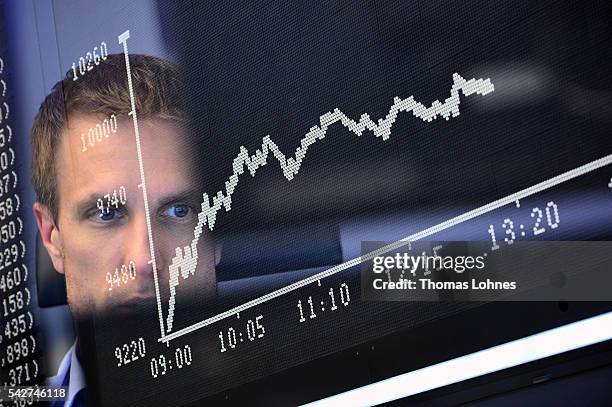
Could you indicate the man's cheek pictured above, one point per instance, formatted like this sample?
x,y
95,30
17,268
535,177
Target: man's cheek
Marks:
x,y
80,300
86,273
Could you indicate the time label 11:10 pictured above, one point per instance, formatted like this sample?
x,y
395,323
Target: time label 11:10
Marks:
x,y
309,309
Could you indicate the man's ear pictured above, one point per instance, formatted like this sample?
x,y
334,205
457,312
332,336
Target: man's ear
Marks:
x,y
218,250
50,236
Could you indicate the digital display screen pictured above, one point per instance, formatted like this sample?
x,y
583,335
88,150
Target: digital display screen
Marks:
x,y
274,202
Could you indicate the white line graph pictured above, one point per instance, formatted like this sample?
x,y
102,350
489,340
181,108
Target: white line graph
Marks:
x,y
510,199
184,262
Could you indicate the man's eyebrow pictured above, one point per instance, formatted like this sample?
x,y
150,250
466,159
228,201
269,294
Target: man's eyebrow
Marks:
x,y
190,196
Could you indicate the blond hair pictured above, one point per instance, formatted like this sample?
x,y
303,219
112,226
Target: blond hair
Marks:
x,y
158,91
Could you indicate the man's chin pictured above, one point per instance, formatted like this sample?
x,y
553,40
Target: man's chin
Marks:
x,y
132,305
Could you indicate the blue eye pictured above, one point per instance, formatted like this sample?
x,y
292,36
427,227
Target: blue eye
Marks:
x,y
178,211
107,214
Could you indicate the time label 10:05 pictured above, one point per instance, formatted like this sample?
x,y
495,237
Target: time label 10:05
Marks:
x,y
254,329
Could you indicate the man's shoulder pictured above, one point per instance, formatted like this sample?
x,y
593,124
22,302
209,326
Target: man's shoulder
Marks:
x,y
70,374
61,378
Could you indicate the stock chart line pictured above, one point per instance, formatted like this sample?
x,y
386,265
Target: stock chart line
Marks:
x,y
185,260
447,224
123,41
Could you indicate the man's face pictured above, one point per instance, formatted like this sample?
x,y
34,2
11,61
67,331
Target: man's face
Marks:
x,y
95,247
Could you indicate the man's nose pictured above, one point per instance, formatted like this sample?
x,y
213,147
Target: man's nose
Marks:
x,y
137,247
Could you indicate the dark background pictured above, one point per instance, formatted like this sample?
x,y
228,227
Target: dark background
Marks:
x,y
273,68
269,67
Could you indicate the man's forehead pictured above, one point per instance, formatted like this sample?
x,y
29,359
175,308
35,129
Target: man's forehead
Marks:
x,y
114,159
83,141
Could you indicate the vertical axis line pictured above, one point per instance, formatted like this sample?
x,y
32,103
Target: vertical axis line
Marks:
x,y
123,40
